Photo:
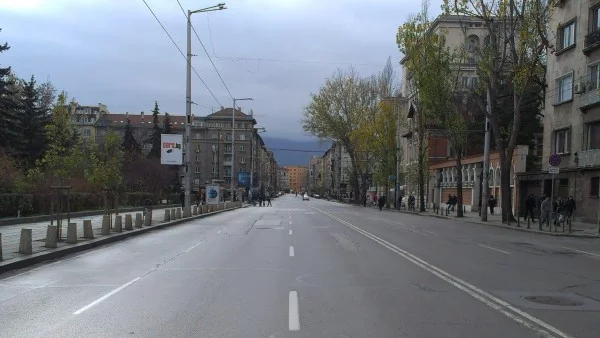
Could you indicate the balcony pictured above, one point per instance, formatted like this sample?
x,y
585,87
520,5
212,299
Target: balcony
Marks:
x,y
588,158
589,99
227,163
592,41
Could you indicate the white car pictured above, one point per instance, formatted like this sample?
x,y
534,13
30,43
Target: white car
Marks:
x,y
305,197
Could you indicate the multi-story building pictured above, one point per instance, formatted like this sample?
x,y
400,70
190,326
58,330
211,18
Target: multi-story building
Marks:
x,y
297,177
85,118
572,107
213,159
460,32
312,172
282,179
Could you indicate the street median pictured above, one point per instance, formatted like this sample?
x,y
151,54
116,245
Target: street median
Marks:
x,y
29,255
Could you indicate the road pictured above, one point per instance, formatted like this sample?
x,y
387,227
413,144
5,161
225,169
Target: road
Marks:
x,y
313,269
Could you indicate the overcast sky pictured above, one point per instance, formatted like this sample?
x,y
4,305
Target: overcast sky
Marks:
x,y
114,51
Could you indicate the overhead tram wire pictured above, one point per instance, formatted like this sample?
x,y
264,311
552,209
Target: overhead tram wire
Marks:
x,y
205,51
298,150
181,52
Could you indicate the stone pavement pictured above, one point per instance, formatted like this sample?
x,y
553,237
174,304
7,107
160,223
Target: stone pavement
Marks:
x,y
579,229
11,233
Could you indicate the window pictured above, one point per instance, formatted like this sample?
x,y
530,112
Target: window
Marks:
x,y
198,147
562,141
228,148
198,157
564,86
243,137
227,158
197,170
594,76
594,186
227,137
197,136
242,148
243,159
227,171
566,34
214,135
595,19
592,135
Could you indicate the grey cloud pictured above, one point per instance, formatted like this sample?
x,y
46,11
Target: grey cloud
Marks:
x,y
115,53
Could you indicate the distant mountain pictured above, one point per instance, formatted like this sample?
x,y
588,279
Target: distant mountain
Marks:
x,y
294,152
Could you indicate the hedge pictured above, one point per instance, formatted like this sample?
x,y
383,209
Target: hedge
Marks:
x,y
39,204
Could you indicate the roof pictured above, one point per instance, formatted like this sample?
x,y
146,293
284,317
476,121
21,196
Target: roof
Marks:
x,y
139,119
227,112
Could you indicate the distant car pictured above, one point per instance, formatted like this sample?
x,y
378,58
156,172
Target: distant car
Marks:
x,y
305,197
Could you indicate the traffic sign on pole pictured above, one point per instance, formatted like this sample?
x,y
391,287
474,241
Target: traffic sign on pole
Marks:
x,y
554,160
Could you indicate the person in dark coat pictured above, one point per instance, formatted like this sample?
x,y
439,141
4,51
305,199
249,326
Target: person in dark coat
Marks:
x,y
529,206
381,202
492,204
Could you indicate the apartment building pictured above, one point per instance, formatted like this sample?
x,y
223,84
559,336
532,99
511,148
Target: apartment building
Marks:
x,y
85,118
460,32
572,107
212,156
297,176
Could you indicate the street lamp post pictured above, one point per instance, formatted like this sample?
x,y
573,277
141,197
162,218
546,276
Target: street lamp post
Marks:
x,y
188,108
233,144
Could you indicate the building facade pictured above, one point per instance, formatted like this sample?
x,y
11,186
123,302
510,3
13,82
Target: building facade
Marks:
x,y
85,119
297,176
572,107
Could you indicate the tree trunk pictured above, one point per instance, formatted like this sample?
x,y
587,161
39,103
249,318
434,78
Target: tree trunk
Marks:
x,y
459,185
505,180
421,177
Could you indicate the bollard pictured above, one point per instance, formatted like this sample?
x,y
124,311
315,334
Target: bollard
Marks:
x,y
105,225
25,242
148,218
172,214
204,209
178,213
138,219
128,222
118,223
195,210
51,234
88,232
72,233
167,215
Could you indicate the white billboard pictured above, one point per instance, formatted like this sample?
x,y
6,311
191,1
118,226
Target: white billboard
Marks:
x,y
171,149
212,194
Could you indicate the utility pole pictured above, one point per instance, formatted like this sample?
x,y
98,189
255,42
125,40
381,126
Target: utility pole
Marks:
x,y
486,161
233,152
187,182
188,120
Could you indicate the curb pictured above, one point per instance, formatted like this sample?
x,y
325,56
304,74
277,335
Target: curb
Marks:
x,y
21,262
515,228
76,214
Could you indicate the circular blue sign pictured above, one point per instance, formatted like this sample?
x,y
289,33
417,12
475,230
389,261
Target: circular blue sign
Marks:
x,y
554,160
212,193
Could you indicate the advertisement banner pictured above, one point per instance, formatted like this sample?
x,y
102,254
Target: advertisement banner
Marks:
x,y
171,149
212,194
243,179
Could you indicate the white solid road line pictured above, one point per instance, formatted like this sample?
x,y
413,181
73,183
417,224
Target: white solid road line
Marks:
x,y
218,232
290,231
585,252
294,318
540,327
489,247
101,299
291,251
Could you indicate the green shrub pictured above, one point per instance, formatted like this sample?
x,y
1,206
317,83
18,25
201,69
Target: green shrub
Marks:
x,y
10,204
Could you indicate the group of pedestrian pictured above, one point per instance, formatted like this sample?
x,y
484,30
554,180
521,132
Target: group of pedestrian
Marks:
x,y
563,209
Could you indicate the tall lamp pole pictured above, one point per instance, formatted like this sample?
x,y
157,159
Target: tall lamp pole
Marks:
x,y
233,144
188,109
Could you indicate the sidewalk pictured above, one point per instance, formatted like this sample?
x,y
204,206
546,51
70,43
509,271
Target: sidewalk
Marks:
x,y
11,237
579,229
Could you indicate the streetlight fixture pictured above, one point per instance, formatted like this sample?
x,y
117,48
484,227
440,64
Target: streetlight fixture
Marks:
x,y
188,107
233,144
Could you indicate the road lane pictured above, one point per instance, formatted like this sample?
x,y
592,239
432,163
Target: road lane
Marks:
x,y
233,275
536,263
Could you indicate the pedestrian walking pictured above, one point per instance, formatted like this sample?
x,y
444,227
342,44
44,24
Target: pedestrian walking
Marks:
x,y
529,206
269,200
381,202
492,204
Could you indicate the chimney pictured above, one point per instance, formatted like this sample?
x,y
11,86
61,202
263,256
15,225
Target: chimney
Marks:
x,y
126,115
142,115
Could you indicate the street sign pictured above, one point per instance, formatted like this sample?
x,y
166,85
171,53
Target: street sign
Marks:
x,y
553,170
554,160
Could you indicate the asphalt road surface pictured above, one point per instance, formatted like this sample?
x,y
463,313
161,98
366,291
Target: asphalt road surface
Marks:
x,y
313,269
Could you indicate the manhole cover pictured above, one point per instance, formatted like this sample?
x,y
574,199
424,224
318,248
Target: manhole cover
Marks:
x,y
553,300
